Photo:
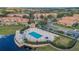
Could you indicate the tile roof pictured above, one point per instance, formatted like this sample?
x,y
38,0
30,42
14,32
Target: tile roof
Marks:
x,y
17,19
69,20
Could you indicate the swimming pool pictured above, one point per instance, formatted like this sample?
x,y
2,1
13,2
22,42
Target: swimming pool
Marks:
x,y
35,35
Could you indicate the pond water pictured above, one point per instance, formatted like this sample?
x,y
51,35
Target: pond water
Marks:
x,y
7,44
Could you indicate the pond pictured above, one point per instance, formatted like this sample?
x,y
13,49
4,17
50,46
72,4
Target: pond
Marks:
x,y
7,44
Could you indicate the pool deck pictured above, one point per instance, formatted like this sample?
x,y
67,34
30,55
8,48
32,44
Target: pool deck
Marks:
x,y
41,32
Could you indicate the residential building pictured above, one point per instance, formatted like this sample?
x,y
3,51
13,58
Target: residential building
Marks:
x,y
37,15
69,20
12,20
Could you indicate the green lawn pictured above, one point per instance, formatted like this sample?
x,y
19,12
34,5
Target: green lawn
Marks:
x,y
9,29
46,48
76,27
68,27
76,47
64,27
63,42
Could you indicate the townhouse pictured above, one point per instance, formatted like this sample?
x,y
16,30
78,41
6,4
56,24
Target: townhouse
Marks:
x,y
17,15
69,20
37,15
12,20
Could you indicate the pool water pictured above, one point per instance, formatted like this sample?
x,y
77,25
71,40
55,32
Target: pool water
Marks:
x,y
35,35
7,43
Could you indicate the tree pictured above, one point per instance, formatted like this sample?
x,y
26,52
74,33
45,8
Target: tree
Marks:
x,y
31,16
75,24
25,16
60,15
50,17
42,17
45,20
3,12
63,14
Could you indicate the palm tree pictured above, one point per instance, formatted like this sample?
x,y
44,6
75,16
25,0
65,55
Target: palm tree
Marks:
x,y
31,16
